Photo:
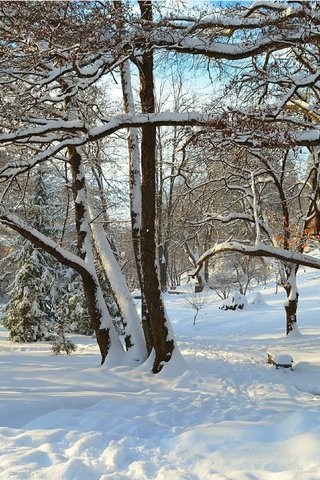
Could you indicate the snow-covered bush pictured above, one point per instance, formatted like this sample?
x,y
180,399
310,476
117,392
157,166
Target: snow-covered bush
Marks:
x,y
256,299
62,345
236,301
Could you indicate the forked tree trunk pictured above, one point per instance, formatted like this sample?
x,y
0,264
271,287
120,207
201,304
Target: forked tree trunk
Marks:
x,y
106,335
98,312
162,337
193,260
135,197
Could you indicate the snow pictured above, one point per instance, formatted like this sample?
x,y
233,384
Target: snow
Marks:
x,y
283,359
259,250
235,301
255,298
222,413
269,4
125,301
50,125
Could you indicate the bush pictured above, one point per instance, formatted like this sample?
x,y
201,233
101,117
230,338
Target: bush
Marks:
x,y
63,346
236,301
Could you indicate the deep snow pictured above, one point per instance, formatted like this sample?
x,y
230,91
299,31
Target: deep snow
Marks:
x,y
228,416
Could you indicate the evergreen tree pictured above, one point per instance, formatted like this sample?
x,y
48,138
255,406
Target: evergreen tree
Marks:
x,y
29,315
69,305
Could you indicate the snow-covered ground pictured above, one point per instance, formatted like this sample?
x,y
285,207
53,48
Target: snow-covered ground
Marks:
x,y
228,416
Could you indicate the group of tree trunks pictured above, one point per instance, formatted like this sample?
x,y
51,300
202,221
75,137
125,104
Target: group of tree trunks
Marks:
x,y
55,53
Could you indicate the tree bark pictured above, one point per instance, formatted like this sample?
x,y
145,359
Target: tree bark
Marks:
x,y
94,297
135,197
134,340
291,304
162,337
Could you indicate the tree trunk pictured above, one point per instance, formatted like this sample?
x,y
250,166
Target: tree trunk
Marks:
x,y
107,338
135,197
161,233
193,261
91,290
291,304
94,297
133,332
162,337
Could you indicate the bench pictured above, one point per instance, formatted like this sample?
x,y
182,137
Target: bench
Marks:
x,y
280,361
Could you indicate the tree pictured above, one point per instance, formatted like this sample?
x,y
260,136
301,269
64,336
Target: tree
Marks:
x,y
29,313
235,272
197,301
135,194
69,306
264,199
162,337
73,45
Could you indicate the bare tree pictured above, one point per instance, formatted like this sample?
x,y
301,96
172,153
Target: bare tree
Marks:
x,y
53,52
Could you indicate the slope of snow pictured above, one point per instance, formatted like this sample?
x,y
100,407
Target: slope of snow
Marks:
x,y
224,415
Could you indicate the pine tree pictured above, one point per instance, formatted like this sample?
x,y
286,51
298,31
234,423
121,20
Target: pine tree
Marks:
x,y
29,315
69,305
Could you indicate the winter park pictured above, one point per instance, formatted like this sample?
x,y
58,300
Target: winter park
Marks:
x,y
160,240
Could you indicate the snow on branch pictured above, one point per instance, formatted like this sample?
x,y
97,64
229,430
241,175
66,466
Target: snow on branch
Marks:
x,y
11,169
42,241
111,125
243,21
259,250
48,127
233,51
268,4
307,138
232,217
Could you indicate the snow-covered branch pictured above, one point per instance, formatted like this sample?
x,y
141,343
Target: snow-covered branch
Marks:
x,y
234,51
248,18
259,250
39,134
286,139
269,140
43,241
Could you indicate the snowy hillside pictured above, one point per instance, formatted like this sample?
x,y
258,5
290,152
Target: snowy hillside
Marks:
x,y
228,416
